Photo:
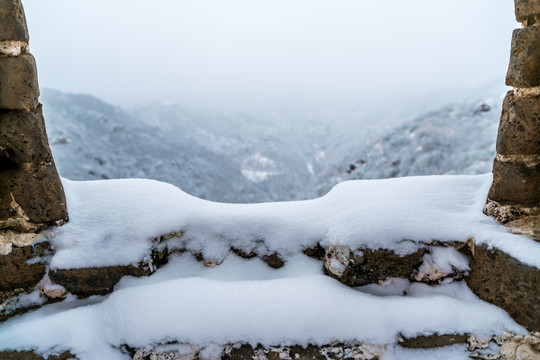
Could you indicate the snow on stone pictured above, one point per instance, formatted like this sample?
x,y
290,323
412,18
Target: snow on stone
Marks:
x,y
214,307
244,301
441,262
113,222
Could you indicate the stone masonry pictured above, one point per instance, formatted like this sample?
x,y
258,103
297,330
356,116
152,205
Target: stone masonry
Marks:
x,y
514,197
31,194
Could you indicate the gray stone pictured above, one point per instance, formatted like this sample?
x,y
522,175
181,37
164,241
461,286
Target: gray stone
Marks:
x,y
524,67
19,88
12,21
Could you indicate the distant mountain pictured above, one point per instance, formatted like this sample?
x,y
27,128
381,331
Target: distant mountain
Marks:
x,y
230,157
254,155
456,139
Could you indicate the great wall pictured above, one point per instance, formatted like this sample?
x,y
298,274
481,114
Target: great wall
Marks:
x,y
32,200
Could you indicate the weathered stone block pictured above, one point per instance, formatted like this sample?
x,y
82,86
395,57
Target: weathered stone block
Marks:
x,y
515,182
12,21
500,279
519,129
30,355
369,266
28,175
94,281
524,67
526,9
19,88
38,192
23,139
16,273
433,341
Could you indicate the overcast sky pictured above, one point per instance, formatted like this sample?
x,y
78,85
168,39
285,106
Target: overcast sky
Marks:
x,y
131,52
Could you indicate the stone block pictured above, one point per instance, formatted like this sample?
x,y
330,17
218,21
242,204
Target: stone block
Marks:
x,y
515,182
525,9
23,139
19,89
28,176
433,341
94,281
498,278
16,273
38,193
12,21
30,355
519,129
524,67
368,266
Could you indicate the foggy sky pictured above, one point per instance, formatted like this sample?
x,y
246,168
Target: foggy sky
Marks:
x,y
132,52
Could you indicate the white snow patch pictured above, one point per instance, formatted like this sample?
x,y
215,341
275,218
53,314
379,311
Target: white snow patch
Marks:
x,y
441,262
292,307
112,222
257,168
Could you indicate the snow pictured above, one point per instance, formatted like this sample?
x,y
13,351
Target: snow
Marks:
x,y
113,222
244,301
240,301
257,168
441,262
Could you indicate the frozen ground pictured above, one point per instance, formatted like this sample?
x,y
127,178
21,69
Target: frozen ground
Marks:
x,y
245,301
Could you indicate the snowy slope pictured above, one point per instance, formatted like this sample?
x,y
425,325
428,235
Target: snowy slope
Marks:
x,y
456,139
267,154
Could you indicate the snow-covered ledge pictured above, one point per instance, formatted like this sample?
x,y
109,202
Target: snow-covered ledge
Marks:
x,y
207,297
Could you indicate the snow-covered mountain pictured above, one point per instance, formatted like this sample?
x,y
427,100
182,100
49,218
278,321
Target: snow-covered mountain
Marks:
x,y
209,155
267,154
456,139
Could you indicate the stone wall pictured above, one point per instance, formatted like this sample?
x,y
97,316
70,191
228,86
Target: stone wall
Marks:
x,y
31,194
514,197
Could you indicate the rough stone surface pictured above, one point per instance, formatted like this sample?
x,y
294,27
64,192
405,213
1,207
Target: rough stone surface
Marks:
x,y
338,259
28,175
12,21
374,266
13,48
311,352
16,273
515,182
94,281
246,352
502,280
19,88
524,67
519,129
274,261
526,226
526,9
30,355
433,341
